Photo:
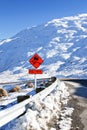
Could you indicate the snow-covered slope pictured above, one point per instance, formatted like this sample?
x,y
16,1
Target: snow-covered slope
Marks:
x,y
62,43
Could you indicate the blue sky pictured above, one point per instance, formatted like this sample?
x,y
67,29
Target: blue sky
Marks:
x,y
16,15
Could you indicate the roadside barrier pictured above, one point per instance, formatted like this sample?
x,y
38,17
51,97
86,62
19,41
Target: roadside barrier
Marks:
x,y
15,111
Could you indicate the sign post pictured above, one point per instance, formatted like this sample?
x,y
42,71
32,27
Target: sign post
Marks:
x,y
35,81
36,61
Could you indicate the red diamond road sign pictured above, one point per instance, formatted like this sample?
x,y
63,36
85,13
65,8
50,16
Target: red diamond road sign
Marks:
x,y
36,60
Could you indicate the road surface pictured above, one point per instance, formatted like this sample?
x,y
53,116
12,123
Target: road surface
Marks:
x,y
78,91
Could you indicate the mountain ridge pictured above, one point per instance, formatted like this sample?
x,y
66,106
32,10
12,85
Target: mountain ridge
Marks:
x,y
62,43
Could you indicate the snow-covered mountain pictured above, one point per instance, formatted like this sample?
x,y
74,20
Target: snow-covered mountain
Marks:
x,y
62,43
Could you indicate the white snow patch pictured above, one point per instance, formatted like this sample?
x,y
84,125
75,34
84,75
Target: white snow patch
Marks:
x,y
5,41
40,48
57,23
52,68
79,25
56,39
66,55
8,76
83,60
8,40
30,53
75,49
76,58
43,114
51,53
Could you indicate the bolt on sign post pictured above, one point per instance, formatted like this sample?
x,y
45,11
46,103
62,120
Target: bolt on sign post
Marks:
x,y
36,61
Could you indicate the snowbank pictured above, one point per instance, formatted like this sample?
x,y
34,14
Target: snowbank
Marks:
x,y
44,114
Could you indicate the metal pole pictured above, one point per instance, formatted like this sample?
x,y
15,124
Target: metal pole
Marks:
x,y
35,81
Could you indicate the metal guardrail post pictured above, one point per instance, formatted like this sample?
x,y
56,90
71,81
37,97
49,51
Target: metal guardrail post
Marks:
x,y
18,109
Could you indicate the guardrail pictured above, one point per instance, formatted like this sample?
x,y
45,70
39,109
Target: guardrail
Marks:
x,y
11,113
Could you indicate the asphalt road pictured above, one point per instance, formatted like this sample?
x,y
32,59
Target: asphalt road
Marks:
x,y
78,91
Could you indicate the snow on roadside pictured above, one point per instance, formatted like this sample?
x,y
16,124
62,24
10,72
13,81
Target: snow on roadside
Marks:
x,y
44,114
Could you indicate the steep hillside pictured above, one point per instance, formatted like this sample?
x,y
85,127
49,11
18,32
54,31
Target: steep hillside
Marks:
x,y
62,43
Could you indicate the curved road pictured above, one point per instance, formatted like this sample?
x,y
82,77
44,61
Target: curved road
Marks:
x,y
78,90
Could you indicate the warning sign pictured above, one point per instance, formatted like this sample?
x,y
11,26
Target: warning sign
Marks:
x,y
36,60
